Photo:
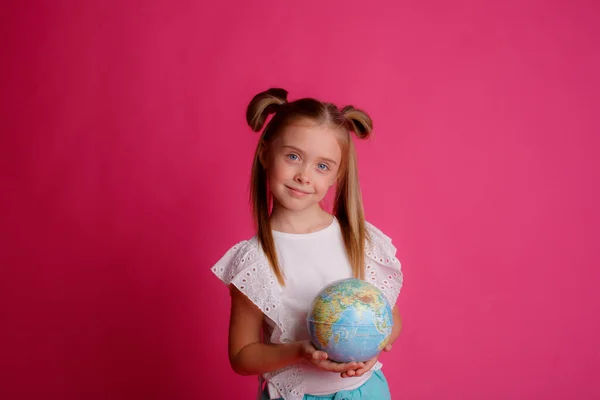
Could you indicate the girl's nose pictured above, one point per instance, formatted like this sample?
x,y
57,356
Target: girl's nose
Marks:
x,y
302,177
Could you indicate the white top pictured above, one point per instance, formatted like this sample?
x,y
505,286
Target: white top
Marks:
x,y
309,262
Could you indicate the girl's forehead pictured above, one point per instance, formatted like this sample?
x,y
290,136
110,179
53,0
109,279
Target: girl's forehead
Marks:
x,y
314,138
309,131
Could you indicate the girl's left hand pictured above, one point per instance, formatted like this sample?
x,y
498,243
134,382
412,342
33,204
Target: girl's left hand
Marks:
x,y
368,365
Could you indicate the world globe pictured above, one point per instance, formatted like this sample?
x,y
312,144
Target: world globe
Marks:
x,y
350,320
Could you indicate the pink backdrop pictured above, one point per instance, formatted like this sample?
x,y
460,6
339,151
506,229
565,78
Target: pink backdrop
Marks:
x,y
125,172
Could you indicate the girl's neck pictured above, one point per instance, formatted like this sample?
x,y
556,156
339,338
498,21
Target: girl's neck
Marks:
x,y
306,221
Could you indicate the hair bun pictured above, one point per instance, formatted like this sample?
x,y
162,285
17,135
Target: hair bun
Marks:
x,y
357,121
262,105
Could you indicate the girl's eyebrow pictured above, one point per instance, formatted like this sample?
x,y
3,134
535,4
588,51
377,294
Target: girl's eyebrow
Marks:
x,y
293,148
329,160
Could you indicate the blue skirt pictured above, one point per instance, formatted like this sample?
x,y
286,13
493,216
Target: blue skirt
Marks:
x,y
376,388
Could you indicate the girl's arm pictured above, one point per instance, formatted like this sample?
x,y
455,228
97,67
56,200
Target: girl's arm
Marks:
x,y
248,356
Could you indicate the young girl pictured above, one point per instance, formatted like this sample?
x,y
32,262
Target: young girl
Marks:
x,y
299,248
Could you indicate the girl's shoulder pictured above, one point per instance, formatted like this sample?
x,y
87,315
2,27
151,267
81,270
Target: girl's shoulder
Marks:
x,y
378,247
246,266
383,268
243,256
379,244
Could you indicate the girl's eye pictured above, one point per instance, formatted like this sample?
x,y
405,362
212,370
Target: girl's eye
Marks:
x,y
323,167
293,157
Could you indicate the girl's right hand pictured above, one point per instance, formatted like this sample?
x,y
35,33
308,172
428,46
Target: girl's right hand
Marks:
x,y
320,359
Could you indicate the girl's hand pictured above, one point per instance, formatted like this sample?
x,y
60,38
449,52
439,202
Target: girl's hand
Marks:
x,y
367,366
320,360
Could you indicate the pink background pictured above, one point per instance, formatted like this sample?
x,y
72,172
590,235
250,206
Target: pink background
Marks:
x,y
125,165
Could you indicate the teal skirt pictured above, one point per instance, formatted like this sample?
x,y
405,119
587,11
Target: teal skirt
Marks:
x,y
376,388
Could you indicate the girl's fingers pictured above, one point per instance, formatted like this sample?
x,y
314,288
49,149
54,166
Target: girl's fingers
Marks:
x,y
338,367
366,367
347,367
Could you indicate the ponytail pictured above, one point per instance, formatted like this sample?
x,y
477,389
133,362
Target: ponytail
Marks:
x,y
348,205
260,107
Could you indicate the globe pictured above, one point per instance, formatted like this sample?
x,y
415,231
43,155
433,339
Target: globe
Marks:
x,y
351,320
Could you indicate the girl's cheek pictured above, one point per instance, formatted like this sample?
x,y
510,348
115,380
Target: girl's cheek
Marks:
x,y
282,169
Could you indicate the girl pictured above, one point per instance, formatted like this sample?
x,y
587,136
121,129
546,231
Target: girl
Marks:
x,y
299,248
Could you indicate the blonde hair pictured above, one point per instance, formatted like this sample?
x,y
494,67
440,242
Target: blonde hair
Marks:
x,y
348,207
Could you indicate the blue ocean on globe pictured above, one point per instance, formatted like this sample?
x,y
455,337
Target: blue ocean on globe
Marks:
x,y
351,320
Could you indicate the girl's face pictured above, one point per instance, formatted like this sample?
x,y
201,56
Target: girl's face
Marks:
x,y
303,163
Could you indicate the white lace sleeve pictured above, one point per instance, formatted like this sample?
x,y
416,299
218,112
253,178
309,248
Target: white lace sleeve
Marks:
x,y
234,262
246,267
383,269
